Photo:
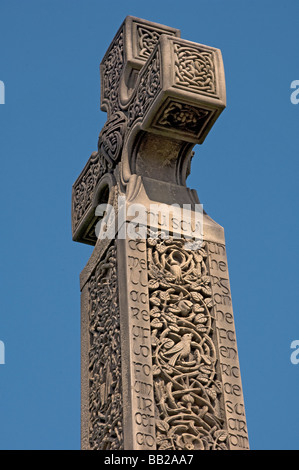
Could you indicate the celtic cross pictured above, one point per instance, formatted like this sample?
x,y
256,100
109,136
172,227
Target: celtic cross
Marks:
x,y
159,358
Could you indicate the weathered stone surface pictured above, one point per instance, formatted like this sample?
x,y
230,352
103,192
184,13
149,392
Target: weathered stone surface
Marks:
x,y
160,365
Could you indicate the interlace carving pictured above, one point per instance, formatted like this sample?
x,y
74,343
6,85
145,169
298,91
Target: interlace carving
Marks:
x,y
147,39
96,167
113,66
195,69
149,85
181,386
105,396
183,117
188,391
139,94
104,161
111,138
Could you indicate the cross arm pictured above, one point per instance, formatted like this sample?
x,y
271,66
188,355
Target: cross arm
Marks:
x,y
162,95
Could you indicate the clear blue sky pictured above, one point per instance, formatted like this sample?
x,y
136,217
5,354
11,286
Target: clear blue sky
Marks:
x,y
246,175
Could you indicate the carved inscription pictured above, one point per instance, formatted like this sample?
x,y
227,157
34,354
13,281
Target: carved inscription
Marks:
x,y
160,367
139,320
105,395
228,355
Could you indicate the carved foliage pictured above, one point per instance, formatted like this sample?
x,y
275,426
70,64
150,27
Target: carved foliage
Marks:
x,y
195,69
188,392
105,396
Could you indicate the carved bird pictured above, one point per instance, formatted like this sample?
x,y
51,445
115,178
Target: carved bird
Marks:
x,y
176,270
180,350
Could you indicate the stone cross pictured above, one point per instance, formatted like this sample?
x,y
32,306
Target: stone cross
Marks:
x,y
160,366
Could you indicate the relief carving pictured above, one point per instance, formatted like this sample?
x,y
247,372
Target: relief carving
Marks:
x,y
183,117
113,66
103,161
195,69
111,138
188,390
146,78
148,87
105,395
146,40
83,188
181,387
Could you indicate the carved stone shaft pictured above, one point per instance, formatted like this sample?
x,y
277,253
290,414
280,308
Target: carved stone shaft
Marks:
x,y
160,366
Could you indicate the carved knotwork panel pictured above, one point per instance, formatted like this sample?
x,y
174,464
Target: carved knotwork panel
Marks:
x,y
112,67
111,138
183,118
148,87
84,187
147,38
195,69
162,95
187,385
152,82
129,51
110,144
105,394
